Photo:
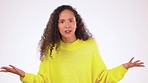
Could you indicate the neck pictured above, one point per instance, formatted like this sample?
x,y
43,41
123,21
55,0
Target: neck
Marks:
x,y
69,40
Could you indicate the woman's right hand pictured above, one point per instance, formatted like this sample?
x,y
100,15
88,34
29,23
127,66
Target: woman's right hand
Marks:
x,y
13,69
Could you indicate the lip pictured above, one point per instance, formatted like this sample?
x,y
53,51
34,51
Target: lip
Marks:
x,y
68,31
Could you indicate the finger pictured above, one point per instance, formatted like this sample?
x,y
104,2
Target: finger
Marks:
x,y
3,71
136,61
16,69
131,59
4,67
13,67
140,66
8,69
140,63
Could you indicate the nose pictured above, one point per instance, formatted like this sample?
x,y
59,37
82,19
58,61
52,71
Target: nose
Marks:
x,y
67,24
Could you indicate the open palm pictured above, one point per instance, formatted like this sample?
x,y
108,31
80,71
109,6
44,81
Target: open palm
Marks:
x,y
131,64
13,69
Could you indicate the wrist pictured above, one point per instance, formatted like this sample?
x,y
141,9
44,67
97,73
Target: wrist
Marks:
x,y
22,74
125,65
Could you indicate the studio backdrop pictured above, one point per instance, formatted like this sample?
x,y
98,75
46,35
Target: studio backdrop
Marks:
x,y
119,26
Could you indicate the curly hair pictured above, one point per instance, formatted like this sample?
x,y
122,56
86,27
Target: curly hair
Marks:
x,y
51,36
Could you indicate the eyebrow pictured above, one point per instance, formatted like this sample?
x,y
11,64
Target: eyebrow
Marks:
x,y
68,19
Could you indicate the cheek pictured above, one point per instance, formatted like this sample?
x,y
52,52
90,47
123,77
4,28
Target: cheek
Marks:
x,y
60,28
75,26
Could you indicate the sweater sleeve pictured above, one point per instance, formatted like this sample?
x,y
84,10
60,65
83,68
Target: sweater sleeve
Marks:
x,y
31,78
102,74
39,78
111,76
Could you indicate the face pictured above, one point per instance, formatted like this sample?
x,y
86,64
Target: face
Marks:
x,y
67,24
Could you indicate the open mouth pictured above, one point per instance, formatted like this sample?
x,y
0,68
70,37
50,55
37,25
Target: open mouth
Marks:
x,y
68,31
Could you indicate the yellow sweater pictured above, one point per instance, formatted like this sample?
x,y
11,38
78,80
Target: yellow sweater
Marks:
x,y
77,62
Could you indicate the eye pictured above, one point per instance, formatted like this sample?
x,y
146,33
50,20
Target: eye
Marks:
x,y
71,20
61,21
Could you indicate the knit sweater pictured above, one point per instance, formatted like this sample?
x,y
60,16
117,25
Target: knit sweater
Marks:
x,y
77,62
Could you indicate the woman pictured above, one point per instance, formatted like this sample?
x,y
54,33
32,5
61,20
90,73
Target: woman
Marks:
x,y
69,54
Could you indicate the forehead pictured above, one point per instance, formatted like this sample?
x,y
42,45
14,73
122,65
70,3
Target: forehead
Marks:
x,y
65,14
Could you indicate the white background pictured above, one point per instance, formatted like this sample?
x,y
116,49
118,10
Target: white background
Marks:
x,y
119,26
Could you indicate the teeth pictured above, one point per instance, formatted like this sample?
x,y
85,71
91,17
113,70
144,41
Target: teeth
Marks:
x,y
67,31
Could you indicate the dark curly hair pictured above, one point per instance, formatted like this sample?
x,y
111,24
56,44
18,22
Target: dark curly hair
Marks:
x,y
51,36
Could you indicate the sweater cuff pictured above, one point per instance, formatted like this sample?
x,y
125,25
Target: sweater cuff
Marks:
x,y
124,70
27,77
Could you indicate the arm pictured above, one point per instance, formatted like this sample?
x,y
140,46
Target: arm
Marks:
x,y
31,78
116,74
103,75
113,75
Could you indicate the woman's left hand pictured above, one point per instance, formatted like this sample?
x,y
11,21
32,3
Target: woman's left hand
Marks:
x,y
131,64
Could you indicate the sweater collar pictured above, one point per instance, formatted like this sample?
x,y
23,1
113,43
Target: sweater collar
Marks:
x,y
71,46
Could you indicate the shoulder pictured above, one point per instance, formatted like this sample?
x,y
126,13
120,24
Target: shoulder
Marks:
x,y
91,41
